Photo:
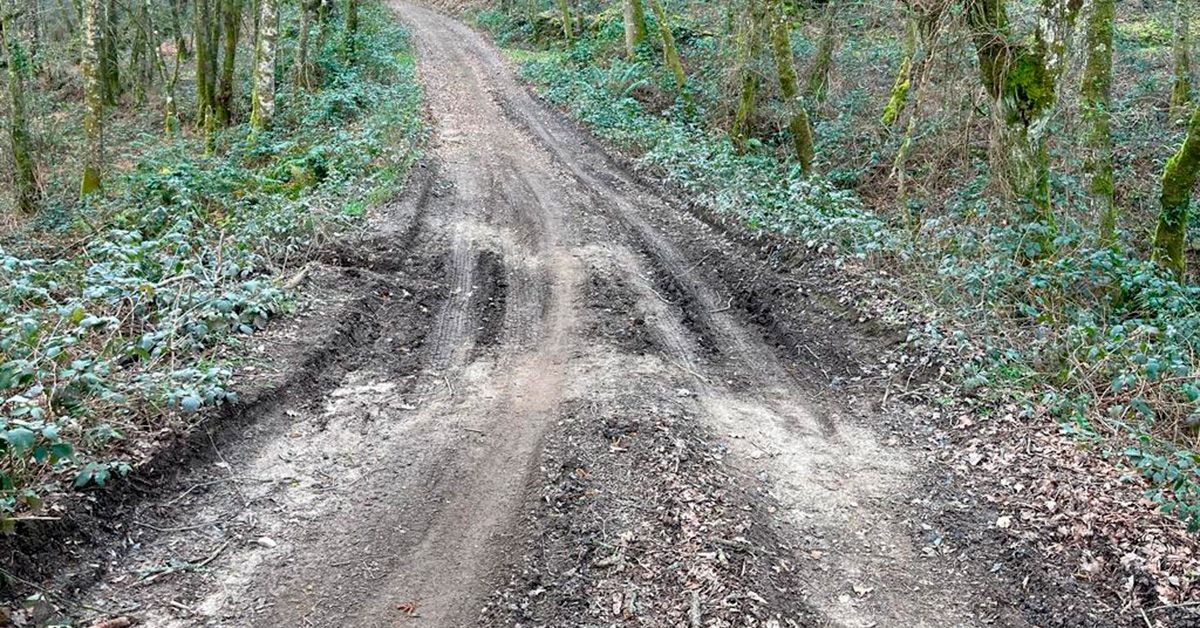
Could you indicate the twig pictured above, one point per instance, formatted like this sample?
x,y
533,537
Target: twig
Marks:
x,y
181,528
694,617
688,371
298,278
475,431
728,306
697,264
650,287
186,567
228,470
1179,605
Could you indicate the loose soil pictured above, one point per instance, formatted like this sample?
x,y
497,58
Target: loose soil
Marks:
x,y
535,392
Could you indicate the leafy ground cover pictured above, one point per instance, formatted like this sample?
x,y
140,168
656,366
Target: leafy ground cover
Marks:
x,y
1095,336
122,317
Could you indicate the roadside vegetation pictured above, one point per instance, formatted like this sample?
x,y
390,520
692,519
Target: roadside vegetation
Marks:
x,y
1018,173
167,167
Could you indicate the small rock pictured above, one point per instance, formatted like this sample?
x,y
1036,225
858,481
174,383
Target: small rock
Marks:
x,y
267,542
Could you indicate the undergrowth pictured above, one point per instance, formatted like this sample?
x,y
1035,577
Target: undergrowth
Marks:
x,y
120,329
1097,337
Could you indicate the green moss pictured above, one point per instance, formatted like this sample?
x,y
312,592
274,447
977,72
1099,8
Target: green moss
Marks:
x,y
1179,176
899,98
1029,84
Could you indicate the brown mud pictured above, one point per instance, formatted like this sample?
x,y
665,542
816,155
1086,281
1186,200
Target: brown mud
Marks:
x,y
534,392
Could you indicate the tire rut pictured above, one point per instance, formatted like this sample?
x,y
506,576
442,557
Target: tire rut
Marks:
x,y
393,491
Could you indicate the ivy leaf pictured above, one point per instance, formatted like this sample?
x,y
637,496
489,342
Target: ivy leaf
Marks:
x,y
190,403
19,438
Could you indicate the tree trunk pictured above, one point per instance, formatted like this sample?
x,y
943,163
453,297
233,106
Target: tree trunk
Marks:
x,y
635,26
923,27
1021,76
263,106
749,50
670,53
169,81
25,194
822,66
110,64
798,123
1097,115
93,96
231,22
351,27
205,102
302,74
1181,47
900,88
1179,177
35,29
564,9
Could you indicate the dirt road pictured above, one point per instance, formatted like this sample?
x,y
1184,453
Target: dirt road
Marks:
x,y
536,393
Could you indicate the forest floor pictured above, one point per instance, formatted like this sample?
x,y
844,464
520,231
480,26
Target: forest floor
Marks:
x,y
540,392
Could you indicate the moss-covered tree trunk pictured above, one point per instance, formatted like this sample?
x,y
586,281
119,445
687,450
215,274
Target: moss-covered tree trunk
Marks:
x,y
1097,114
789,85
1181,51
231,22
351,28
170,80
303,73
93,96
749,50
110,53
568,27
635,26
25,192
1021,76
903,83
202,27
670,52
1179,177
263,101
822,65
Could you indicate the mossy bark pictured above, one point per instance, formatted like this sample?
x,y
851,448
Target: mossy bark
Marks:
x,y
822,65
1021,76
749,50
635,26
302,69
170,81
564,9
670,52
1179,177
93,96
25,192
141,55
231,22
798,122
351,28
205,98
903,83
110,54
1181,50
1097,115
263,101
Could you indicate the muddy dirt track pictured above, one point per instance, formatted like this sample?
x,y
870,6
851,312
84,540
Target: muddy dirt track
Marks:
x,y
529,395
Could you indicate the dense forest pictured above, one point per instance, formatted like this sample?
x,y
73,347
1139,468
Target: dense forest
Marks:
x,y
703,262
